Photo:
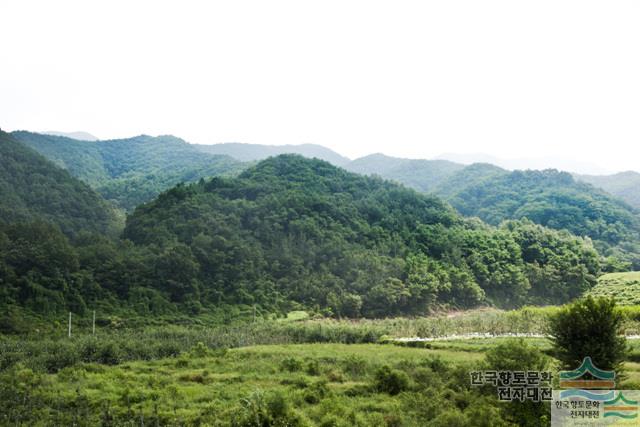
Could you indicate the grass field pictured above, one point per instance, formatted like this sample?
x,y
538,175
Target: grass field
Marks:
x,y
283,385
315,384
624,287
278,373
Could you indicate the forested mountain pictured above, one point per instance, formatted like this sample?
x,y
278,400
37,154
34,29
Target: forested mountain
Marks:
x,y
625,185
133,170
303,231
32,188
472,174
556,200
254,152
551,198
292,233
422,175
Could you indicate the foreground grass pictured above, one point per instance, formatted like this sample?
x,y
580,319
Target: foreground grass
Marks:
x,y
270,373
318,384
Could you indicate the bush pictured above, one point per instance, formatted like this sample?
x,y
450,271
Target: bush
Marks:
x,y
391,381
316,392
355,365
291,364
518,355
589,327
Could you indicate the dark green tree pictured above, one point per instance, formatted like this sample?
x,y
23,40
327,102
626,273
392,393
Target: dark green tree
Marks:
x,y
589,327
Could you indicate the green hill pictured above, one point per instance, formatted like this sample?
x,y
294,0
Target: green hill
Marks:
x,y
556,200
133,170
421,175
256,152
550,198
307,234
625,185
472,174
32,188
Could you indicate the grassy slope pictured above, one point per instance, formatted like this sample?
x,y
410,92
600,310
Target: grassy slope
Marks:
x,y
212,388
624,287
215,387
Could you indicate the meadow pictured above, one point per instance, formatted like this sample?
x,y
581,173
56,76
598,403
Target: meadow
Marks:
x,y
296,370
285,372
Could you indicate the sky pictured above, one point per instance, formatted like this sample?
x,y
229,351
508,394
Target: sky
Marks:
x,y
510,79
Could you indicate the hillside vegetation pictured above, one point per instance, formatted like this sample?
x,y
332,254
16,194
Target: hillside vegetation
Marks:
x,y
130,171
299,230
421,175
34,189
550,198
623,287
625,185
556,200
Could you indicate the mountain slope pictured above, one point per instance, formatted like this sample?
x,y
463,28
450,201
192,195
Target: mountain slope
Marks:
x,y
254,152
32,188
555,199
133,170
472,174
625,185
304,233
550,198
421,175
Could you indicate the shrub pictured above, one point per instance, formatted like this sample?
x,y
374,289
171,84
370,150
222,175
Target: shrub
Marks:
x,y
312,368
291,364
354,365
391,381
316,392
589,327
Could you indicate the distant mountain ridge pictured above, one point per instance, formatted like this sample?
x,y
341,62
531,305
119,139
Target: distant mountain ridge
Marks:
x,y
625,185
133,170
550,198
255,152
421,175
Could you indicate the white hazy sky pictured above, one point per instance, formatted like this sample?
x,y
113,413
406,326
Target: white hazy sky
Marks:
x,y
407,78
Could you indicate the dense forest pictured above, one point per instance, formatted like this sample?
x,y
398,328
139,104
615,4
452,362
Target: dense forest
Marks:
x,y
556,200
135,170
130,171
294,233
625,185
421,175
309,232
550,198
32,188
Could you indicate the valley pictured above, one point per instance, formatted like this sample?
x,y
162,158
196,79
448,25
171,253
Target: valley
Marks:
x,y
275,289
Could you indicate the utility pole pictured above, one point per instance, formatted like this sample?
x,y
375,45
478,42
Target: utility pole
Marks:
x,y
94,322
69,324
254,313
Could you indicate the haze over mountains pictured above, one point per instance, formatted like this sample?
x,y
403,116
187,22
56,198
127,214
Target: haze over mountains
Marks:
x,y
253,152
79,135
206,230
545,162
135,170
